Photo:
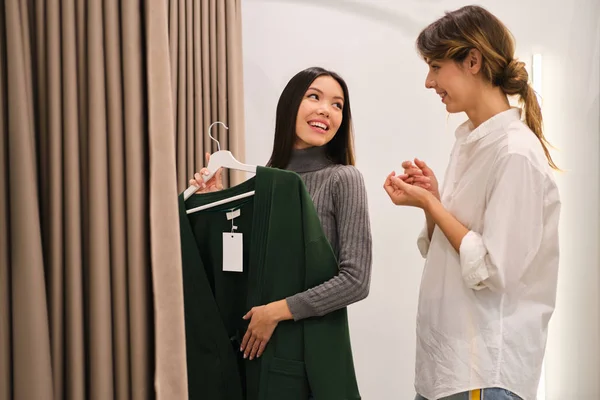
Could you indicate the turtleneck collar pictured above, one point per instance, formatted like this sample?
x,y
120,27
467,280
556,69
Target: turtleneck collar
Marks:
x,y
309,160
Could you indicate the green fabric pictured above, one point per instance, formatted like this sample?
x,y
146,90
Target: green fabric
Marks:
x,y
285,252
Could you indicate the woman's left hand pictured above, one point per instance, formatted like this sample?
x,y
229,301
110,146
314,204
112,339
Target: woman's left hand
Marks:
x,y
405,194
263,321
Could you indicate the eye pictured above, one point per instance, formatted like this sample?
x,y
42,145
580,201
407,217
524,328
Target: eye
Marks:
x,y
339,105
313,96
435,67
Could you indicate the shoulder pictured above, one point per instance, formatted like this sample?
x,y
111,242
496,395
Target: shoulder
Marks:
x,y
522,158
280,175
348,175
521,145
348,181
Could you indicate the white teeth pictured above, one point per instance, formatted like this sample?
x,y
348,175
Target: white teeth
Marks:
x,y
319,125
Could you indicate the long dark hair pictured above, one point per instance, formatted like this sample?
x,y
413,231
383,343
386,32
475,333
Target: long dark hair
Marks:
x,y
473,27
339,150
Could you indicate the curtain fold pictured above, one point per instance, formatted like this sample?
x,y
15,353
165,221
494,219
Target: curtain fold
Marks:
x,y
207,83
29,317
171,373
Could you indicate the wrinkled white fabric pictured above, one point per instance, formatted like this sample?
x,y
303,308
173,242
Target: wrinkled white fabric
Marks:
x,y
483,314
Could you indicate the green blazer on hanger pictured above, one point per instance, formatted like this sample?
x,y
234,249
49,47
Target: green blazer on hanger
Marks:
x,y
284,252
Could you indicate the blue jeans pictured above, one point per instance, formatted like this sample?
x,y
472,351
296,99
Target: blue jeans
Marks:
x,y
486,394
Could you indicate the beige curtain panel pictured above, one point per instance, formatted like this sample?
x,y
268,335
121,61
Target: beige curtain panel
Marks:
x,y
104,107
206,80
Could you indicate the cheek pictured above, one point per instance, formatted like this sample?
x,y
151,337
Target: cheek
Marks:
x,y
336,121
304,110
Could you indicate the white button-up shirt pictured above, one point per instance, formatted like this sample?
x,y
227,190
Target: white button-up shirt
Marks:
x,y
483,315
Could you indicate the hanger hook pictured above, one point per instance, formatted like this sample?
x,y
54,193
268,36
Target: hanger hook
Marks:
x,y
211,136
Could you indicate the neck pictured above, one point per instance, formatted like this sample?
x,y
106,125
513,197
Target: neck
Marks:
x,y
492,101
309,159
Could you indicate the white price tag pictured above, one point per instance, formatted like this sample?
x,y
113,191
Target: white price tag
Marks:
x,y
233,252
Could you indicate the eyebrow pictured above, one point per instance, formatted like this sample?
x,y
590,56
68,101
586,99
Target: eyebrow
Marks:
x,y
320,91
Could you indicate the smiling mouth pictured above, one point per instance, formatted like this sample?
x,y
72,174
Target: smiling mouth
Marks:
x,y
319,126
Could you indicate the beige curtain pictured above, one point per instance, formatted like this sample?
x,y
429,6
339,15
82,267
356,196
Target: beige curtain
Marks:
x,y
207,82
98,134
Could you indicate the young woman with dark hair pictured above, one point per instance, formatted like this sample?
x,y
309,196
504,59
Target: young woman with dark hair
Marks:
x,y
313,137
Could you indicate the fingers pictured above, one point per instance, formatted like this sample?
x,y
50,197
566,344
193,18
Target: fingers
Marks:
x,y
250,346
424,167
248,314
213,184
408,165
388,181
198,175
194,182
248,334
257,344
387,185
387,178
246,340
261,349
203,172
421,180
207,157
399,183
219,179
413,171
198,183
254,347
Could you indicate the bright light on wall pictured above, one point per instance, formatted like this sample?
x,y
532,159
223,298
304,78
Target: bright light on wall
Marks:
x,y
541,392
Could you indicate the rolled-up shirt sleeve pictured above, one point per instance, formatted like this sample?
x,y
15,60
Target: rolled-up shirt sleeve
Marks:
x,y
497,257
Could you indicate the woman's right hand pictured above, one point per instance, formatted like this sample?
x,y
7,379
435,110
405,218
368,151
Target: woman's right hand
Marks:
x,y
212,185
419,174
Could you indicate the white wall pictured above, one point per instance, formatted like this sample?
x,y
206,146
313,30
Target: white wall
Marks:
x,y
371,44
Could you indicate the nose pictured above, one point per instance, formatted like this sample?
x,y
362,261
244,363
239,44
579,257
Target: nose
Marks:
x,y
429,82
323,110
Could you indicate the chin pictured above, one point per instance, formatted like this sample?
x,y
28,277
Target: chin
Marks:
x,y
316,141
452,110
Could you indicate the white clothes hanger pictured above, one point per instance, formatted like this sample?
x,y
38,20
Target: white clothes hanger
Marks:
x,y
218,203
219,159
224,158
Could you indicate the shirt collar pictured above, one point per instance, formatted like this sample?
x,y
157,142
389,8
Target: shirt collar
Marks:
x,y
309,160
498,121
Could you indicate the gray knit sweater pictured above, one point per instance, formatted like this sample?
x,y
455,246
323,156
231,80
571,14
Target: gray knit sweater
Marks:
x,y
339,196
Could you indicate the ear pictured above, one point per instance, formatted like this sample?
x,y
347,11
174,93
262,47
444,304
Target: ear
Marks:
x,y
473,61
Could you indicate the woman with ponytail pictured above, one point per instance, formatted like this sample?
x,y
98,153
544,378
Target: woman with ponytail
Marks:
x,y
490,239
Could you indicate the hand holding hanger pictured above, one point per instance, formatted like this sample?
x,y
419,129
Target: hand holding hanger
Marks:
x,y
214,184
216,161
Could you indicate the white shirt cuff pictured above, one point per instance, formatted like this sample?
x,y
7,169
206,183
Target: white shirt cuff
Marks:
x,y
472,261
423,242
